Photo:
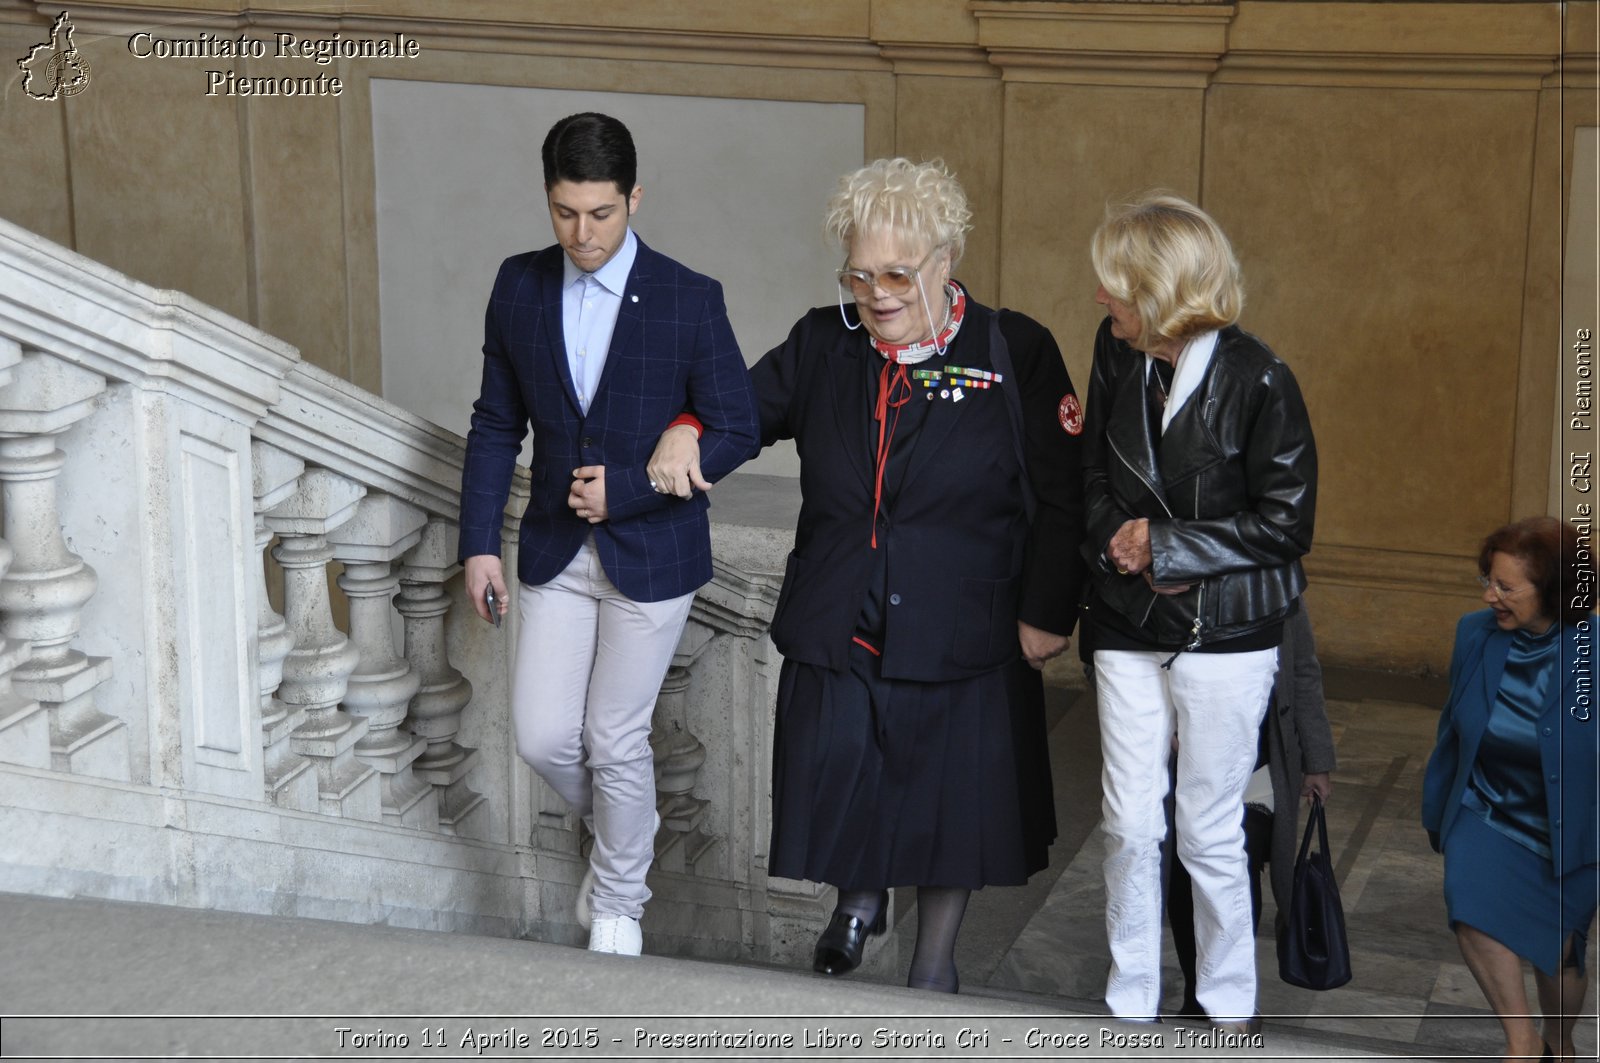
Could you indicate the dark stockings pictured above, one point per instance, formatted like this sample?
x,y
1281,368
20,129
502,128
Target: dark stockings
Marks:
x,y
863,904
939,913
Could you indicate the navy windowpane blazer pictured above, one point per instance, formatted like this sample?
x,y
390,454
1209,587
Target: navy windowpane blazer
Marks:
x,y
672,350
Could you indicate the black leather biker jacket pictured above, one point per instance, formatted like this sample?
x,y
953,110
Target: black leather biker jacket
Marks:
x,y
1230,489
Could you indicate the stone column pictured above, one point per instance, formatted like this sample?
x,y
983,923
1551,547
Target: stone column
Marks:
x,y
316,673
44,590
444,692
383,683
290,780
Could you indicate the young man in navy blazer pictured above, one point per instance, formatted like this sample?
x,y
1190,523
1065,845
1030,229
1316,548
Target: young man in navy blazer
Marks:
x,y
598,342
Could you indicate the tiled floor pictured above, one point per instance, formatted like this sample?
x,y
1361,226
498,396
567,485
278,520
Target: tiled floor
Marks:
x,y
1410,984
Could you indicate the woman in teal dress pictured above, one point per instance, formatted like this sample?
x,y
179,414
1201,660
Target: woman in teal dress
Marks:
x,y
1509,796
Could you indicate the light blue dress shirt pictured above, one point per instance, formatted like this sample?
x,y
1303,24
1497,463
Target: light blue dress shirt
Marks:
x,y
590,303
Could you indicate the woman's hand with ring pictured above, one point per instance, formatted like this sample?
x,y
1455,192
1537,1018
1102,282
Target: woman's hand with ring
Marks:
x,y
675,465
1129,549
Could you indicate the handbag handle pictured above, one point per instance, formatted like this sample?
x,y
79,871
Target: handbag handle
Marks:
x,y
1317,821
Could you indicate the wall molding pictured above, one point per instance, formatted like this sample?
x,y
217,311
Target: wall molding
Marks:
x,y
1166,43
1348,70
1158,44
940,60
1413,572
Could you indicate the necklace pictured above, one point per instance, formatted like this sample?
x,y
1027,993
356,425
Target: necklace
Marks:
x,y
1161,388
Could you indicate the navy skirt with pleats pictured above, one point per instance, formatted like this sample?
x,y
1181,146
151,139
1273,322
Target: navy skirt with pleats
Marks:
x,y
882,782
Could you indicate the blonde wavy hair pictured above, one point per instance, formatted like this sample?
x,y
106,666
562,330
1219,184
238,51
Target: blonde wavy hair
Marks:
x,y
918,203
1171,263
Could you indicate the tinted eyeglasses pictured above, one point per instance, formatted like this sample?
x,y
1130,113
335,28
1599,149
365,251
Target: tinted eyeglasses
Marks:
x,y
896,280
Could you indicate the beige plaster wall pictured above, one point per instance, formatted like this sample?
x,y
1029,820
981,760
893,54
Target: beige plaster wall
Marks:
x,y
35,192
1396,177
157,182
960,119
1402,323
299,231
1069,149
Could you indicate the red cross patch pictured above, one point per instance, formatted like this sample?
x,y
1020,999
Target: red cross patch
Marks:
x,y
1071,414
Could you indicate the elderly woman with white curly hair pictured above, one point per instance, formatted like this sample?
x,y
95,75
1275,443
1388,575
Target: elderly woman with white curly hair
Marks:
x,y
1201,479
935,570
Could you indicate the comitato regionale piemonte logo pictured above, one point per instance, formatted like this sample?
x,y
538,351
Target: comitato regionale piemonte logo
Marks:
x,y
55,68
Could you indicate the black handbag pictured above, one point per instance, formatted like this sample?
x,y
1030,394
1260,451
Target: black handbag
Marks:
x,y
1313,951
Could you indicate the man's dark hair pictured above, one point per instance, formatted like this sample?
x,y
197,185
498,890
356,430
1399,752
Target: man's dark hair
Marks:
x,y
590,147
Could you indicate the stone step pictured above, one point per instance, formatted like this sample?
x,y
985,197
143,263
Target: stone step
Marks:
x,y
165,981
24,732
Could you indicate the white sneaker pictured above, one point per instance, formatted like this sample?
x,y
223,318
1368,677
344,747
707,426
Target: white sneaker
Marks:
x,y
580,908
616,934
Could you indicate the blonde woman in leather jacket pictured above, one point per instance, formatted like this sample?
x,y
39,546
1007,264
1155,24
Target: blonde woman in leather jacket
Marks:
x,y
1200,477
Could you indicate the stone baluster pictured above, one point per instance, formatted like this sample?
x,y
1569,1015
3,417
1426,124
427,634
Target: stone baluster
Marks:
x,y
290,780
436,709
46,586
383,683
678,755
24,723
316,673
10,358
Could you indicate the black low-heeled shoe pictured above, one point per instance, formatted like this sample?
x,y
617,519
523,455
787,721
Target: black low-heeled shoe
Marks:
x,y
840,943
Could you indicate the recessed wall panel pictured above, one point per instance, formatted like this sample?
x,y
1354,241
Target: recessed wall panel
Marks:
x,y
732,188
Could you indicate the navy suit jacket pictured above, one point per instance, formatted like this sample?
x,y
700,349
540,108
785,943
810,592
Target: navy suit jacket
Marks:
x,y
1567,745
672,350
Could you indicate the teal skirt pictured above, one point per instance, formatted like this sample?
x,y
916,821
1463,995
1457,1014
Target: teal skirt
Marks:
x,y
1509,892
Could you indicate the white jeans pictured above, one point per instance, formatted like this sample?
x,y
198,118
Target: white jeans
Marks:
x,y
590,662
1217,702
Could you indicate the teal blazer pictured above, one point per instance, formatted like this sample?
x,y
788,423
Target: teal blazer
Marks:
x,y
1568,749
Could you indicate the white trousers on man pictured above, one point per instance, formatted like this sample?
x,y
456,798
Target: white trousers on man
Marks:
x,y
590,662
1215,702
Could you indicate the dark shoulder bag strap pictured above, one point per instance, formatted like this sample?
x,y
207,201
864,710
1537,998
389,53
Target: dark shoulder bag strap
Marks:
x,y
1011,388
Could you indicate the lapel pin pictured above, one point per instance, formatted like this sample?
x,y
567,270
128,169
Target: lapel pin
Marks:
x,y
636,298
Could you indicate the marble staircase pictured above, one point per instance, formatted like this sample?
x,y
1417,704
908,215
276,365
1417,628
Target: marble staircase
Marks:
x,y
237,671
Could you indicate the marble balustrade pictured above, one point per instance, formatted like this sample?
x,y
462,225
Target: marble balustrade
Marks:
x,y
237,668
